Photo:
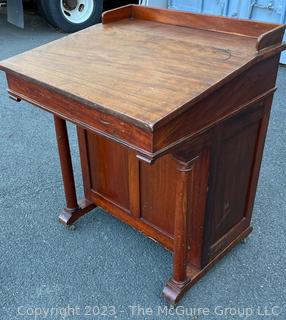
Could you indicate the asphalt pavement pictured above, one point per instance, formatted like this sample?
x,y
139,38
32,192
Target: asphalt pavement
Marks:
x,y
103,266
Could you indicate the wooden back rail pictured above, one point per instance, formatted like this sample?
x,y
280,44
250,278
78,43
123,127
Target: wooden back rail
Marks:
x,y
267,34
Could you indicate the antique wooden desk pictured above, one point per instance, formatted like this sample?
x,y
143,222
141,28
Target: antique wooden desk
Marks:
x,y
171,110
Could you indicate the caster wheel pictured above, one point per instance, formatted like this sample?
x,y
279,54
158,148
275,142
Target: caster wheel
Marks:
x,y
243,241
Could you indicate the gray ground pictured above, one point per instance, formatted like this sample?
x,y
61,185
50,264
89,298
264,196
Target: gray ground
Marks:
x,y
104,262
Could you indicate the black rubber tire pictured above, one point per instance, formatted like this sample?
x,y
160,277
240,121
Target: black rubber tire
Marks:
x,y
43,11
51,10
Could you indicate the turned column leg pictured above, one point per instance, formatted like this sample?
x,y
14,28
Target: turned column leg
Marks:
x,y
66,163
73,210
180,240
175,286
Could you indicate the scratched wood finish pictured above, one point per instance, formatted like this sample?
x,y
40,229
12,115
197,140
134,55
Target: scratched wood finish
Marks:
x,y
145,89
175,65
171,110
175,71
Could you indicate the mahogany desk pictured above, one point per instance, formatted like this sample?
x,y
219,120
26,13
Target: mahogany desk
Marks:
x,y
171,110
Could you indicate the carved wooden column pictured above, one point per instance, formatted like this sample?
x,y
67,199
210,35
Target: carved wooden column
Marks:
x,y
181,226
73,210
175,286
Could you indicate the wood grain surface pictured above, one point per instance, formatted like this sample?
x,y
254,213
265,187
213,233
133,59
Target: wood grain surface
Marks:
x,y
140,69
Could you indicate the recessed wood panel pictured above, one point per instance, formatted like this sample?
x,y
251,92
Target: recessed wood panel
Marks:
x,y
108,165
233,175
158,192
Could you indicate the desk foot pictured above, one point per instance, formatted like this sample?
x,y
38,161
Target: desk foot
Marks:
x,y
69,216
174,290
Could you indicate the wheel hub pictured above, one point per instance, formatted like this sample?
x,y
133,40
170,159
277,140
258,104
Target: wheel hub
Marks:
x,y
70,4
77,11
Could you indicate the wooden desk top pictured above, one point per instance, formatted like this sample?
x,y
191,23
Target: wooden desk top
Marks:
x,y
145,71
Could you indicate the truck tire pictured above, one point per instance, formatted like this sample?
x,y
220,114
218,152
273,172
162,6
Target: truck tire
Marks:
x,y
71,15
43,11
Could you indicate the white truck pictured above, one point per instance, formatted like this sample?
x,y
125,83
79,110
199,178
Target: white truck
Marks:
x,y
67,15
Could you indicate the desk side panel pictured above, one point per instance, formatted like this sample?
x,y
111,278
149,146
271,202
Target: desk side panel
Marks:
x,y
111,176
143,195
235,162
142,191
